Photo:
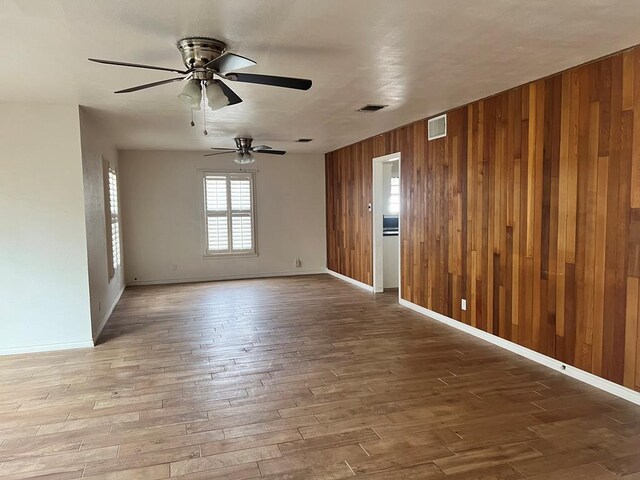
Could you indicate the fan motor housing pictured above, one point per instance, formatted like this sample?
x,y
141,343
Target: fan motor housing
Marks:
x,y
243,144
198,51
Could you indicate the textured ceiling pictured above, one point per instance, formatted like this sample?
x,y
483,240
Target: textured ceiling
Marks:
x,y
417,56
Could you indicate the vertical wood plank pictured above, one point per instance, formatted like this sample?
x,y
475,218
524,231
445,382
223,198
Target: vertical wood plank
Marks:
x,y
613,213
538,281
591,228
599,267
631,333
531,168
563,179
628,67
631,100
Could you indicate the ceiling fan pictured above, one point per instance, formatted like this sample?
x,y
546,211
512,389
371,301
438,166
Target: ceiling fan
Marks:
x,y
244,151
205,59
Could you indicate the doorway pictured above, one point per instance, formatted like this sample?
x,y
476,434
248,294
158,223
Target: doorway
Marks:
x,y
386,223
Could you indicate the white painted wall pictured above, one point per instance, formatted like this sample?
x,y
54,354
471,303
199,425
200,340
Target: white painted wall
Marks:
x,y
162,211
44,288
390,265
96,148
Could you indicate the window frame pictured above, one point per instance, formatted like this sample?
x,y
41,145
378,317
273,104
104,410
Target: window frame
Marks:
x,y
230,213
110,218
393,207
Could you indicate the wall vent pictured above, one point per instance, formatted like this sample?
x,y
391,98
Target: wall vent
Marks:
x,y
304,140
437,127
371,108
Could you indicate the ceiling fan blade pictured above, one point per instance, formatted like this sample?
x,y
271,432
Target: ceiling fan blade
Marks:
x,y
286,82
149,85
218,153
271,152
261,147
230,94
138,65
229,61
225,149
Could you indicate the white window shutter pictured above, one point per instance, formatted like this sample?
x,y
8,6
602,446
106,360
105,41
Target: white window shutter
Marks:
x,y
229,213
216,193
242,232
115,220
241,194
218,237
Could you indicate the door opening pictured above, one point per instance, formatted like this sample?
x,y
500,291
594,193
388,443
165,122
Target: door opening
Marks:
x,y
386,223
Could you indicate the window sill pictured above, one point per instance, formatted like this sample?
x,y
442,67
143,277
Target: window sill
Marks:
x,y
211,256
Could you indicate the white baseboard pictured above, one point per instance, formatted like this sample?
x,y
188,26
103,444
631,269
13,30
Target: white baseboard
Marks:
x,y
46,348
215,278
364,286
578,374
107,315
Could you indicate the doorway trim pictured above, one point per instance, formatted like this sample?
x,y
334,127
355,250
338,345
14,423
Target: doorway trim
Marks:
x,y
376,224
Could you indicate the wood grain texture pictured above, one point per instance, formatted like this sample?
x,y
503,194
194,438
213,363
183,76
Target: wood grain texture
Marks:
x,y
348,183
529,209
234,380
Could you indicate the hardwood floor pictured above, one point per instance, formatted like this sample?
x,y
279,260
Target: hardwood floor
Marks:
x,y
300,378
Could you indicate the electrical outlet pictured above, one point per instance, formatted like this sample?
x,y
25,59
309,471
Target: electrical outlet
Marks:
x,y
463,304
298,262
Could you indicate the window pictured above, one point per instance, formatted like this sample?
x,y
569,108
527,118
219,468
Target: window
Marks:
x,y
229,210
113,221
394,195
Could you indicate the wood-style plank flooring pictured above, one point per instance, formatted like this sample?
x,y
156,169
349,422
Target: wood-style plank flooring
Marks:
x,y
300,378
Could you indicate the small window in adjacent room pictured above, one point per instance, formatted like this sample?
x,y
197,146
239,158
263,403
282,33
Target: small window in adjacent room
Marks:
x,y
229,213
394,195
113,222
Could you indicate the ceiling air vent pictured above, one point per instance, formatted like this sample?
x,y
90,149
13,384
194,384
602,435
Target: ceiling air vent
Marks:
x,y
304,140
437,127
371,108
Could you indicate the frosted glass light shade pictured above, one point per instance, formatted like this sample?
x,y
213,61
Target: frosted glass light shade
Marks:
x,y
191,94
216,97
244,158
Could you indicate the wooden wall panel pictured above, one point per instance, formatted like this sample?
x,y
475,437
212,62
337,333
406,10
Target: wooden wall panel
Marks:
x,y
348,178
529,209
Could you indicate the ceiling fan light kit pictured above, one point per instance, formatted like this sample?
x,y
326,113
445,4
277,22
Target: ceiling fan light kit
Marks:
x,y
244,158
244,151
191,94
216,97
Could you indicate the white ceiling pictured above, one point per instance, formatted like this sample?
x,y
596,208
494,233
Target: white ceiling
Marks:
x,y
418,56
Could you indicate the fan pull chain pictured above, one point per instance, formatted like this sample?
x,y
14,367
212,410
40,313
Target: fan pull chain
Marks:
x,y
204,108
204,121
193,124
